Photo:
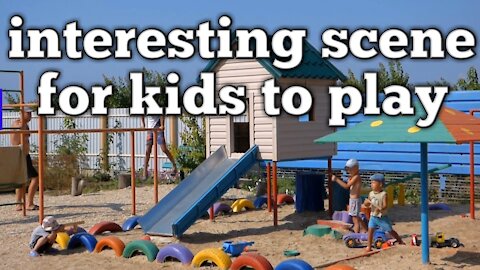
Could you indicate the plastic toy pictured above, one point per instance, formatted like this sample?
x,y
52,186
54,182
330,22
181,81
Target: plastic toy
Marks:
x,y
235,249
355,239
438,240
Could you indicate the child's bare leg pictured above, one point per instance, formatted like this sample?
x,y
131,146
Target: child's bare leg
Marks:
x,y
42,241
363,226
396,236
370,238
356,225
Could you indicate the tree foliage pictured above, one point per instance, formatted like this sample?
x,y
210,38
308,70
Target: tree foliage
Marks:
x,y
394,75
192,152
471,82
122,88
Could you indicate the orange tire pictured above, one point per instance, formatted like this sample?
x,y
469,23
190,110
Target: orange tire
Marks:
x,y
252,260
112,242
105,226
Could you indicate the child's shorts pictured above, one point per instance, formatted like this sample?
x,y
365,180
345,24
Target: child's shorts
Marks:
x,y
160,138
382,223
354,206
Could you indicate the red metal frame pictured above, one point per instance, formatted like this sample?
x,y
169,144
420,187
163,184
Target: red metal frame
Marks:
x,y
472,173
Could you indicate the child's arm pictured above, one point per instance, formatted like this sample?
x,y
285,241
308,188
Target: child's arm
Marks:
x,y
350,182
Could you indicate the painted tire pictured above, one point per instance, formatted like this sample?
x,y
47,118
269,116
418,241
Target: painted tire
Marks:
x,y
79,230
342,216
284,198
105,226
221,208
146,247
215,255
252,260
130,223
62,239
112,242
294,264
259,202
238,205
177,252
85,239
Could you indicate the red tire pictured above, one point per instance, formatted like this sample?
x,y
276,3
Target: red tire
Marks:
x,y
284,198
105,226
252,260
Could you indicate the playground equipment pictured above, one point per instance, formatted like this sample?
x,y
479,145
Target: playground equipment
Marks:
x,y
240,204
235,249
87,240
130,223
177,252
214,255
187,202
294,264
62,239
112,242
251,260
146,247
105,226
451,126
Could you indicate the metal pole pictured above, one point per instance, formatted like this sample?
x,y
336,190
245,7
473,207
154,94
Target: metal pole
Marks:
x,y
155,167
424,209
330,188
41,167
269,189
132,169
275,195
472,175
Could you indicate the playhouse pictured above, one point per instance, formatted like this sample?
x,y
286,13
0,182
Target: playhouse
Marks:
x,y
284,137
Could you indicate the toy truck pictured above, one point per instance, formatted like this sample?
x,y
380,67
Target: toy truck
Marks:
x,y
438,240
355,239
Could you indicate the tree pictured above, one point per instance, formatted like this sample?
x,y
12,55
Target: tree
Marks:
x,y
393,76
192,153
122,88
469,83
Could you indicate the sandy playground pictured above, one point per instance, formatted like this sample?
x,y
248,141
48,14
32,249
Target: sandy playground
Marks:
x,y
254,226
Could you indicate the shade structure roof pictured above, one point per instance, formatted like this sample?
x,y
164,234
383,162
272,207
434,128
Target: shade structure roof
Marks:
x,y
451,126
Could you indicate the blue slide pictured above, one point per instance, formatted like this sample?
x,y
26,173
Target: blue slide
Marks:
x,y
191,199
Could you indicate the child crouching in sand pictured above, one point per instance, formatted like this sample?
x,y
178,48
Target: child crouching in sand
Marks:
x,y
44,236
377,201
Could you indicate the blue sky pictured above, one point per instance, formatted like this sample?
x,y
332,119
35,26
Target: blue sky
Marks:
x,y
315,16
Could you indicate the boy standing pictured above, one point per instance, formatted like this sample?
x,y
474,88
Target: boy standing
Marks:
x,y
44,236
354,184
377,200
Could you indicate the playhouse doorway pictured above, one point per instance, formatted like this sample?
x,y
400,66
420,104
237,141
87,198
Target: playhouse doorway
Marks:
x,y
241,131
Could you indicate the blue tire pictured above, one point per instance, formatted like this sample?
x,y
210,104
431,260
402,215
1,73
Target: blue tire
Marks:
x,y
130,223
260,201
85,239
177,252
294,264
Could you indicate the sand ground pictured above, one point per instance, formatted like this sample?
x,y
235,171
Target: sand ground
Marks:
x,y
254,226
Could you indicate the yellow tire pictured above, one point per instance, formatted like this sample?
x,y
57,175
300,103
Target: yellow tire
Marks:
x,y
214,255
238,205
62,239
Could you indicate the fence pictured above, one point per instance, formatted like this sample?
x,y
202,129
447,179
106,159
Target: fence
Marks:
x,y
119,149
